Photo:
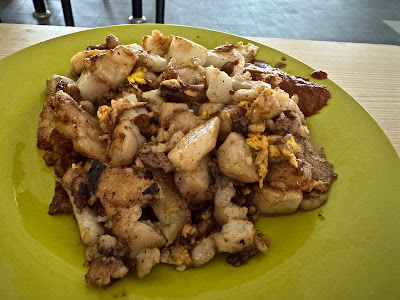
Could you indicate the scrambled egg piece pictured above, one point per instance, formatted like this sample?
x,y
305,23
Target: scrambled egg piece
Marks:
x,y
260,143
94,52
138,76
286,151
246,191
103,112
78,60
204,115
191,62
257,128
244,104
266,151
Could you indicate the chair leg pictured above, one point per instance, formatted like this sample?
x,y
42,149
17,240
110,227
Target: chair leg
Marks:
x,y
160,8
67,10
40,10
39,6
137,12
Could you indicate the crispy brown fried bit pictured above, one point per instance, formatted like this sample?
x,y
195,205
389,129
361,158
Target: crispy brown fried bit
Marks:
x,y
89,187
233,118
186,94
241,125
147,126
153,189
319,74
312,96
103,270
322,170
184,83
229,66
106,98
60,153
60,203
154,159
282,175
110,43
242,257
70,89
224,48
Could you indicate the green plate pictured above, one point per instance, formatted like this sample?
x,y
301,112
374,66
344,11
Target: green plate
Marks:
x,y
349,248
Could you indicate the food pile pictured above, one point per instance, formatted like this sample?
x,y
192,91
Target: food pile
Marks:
x,y
168,152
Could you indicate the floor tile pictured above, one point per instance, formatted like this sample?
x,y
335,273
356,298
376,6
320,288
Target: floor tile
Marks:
x,y
85,9
234,16
243,30
9,7
357,12
27,8
85,21
275,26
115,11
201,20
29,19
335,20
388,4
110,21
395,25
342,29
260,7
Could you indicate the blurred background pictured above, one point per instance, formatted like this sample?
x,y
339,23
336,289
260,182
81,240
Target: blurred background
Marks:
x,y
365,21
